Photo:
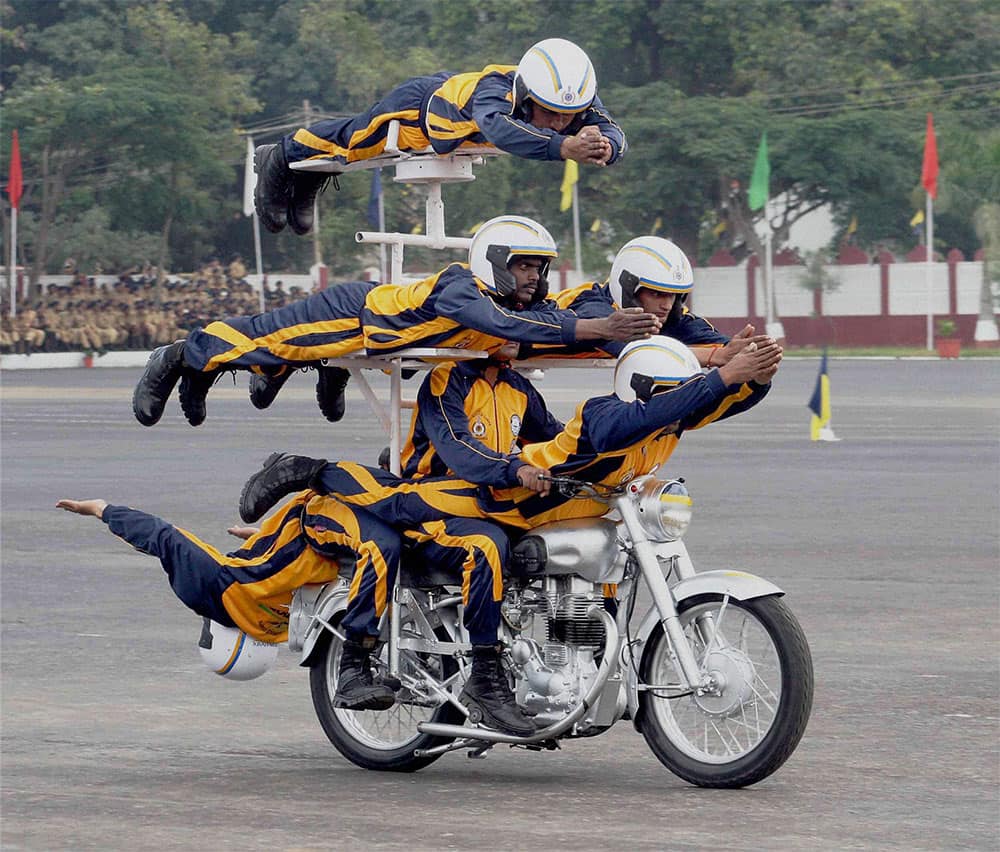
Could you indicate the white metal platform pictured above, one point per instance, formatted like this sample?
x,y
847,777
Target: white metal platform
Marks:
x,y
423,168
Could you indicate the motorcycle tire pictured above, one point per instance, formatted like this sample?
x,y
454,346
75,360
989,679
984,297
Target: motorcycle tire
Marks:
x,y
365,737
743,734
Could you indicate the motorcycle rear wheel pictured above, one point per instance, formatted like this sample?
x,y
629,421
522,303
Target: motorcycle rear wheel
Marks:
x,y
385,739
742,735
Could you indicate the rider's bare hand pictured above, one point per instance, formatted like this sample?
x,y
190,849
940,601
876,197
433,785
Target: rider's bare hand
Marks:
x,y
84,507
631,324
588,146
753,362
534,479
243,532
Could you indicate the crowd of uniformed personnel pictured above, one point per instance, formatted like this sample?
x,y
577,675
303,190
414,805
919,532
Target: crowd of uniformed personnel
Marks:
x,y
131,313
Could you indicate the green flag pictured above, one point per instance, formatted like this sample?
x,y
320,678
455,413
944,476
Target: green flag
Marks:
x,y
761,176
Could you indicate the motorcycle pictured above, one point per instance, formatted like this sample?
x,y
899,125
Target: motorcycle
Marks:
x,y
717,675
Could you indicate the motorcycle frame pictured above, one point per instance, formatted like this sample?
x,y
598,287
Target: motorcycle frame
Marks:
x,y
649,557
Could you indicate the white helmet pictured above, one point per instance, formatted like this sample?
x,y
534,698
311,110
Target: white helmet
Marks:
x,y
651,262
557,75
647,366
234,655
499,241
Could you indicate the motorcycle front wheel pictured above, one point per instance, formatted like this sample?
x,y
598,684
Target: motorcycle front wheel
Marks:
x,y
382,739
741,732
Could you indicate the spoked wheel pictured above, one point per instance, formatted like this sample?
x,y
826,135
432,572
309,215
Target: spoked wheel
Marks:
x,y
384,739
746,727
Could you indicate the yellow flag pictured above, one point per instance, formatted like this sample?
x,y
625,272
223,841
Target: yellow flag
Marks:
x,y
917,219
570,177
853,226
657,225
594,228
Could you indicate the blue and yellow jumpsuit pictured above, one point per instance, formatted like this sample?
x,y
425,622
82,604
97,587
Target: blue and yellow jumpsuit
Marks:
x,y
594,301
466,426
607,441
450,309
251,588
447,111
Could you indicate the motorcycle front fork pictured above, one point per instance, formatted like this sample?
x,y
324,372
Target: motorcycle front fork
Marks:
x,y
663,600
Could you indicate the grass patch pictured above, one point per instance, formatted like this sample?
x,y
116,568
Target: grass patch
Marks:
x,y
883,352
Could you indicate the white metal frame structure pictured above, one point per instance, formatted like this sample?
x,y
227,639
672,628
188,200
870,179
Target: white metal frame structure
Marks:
x,y
432,171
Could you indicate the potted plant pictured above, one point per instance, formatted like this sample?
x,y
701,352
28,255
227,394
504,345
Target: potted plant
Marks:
x,y
947,344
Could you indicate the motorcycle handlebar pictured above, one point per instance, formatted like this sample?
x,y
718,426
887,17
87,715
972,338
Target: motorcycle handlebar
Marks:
x,y
570,486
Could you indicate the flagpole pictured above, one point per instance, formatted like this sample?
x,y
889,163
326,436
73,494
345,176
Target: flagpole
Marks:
x,y
12,268
259,260
929,271
250,209
576,232
768,261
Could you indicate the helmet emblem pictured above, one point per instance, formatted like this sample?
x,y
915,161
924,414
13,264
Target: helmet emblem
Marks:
x,y
678,274
567,97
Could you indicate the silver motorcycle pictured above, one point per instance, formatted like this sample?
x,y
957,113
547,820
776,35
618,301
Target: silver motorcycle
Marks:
x,y
716,675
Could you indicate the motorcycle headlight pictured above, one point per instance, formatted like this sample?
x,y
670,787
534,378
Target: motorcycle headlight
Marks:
x,y
664,509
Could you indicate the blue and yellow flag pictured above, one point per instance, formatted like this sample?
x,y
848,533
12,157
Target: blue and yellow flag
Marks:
x,y
819,405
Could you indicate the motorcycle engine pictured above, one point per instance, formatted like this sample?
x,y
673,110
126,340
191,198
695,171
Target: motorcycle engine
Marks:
x,y
556,663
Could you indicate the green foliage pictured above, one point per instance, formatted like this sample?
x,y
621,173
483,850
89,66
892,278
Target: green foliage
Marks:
x,y
944,327
128,112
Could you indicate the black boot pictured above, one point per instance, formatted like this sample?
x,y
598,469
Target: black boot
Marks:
x,y
263,389
195,385
357,688
488,695
274,186
330,391
281,474
305,187
163,369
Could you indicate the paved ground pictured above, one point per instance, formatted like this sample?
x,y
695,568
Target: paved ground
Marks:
x,y
115,737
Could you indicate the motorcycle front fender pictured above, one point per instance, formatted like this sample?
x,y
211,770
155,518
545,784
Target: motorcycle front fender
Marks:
x,y
311,607
737,584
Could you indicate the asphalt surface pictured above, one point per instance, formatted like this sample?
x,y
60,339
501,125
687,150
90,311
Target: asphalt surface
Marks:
x,y
887,543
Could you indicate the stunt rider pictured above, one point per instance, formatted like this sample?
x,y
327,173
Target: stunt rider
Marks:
x,y
463,306
250,589
469,419
544,108
654,274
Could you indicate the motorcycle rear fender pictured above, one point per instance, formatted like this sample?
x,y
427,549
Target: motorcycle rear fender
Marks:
x,y
737,584
311,606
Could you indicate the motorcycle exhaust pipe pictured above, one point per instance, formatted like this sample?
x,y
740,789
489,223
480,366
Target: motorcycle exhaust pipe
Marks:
x,y
596,612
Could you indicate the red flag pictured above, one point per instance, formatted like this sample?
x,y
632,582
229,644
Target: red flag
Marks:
x,y
15,184
928,177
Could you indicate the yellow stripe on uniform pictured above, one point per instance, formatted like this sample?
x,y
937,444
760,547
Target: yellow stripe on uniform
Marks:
x,y
728,402
275,341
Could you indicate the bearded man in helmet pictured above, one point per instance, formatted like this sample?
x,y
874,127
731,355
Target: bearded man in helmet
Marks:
x,y
544,108
479,305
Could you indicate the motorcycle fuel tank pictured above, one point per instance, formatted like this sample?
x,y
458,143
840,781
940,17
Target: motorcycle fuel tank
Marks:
x,y
587,547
